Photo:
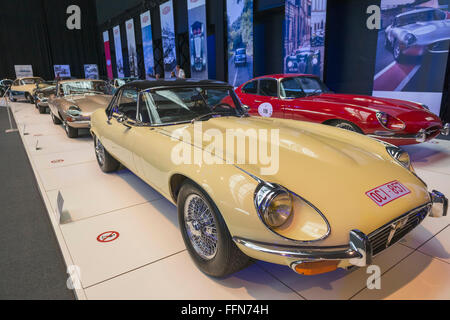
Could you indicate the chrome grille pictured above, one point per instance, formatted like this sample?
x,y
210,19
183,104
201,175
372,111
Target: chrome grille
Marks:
x,y
392,232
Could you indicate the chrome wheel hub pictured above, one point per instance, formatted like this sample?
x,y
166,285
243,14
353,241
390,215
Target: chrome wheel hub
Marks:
x,y
99,152
200,227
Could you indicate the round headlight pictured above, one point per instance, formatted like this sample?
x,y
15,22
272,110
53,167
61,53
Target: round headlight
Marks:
x,y
399,155
383,118
290,64
410,38
274,204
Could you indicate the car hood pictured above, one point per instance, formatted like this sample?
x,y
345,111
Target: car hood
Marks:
x,y
433,30
332,168
88,103
404,110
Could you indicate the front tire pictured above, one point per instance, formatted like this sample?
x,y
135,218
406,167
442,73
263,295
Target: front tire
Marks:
x,y
71,132
55,119
11,97
29,98
206,235
397,52
106,162
347,125
42,109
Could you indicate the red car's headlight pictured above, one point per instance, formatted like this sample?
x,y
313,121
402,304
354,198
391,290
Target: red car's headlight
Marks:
x,y
389,122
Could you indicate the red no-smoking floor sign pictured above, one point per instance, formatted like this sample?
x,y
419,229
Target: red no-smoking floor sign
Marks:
x,y
108,236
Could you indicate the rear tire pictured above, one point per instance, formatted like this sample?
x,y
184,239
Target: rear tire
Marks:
x,y
105,161
206,235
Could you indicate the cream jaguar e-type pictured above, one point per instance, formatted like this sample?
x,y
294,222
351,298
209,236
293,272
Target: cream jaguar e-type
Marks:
x,y
333,199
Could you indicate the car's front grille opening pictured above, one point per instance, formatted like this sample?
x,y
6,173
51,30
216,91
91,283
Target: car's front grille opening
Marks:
x,y
396,230
440,46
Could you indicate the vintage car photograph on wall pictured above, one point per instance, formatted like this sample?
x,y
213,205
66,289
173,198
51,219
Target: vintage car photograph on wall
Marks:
x,y
234,212
75,101
307,98
414,41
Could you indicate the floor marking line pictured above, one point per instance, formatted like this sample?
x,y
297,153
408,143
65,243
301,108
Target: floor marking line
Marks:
x,y
132,270
379,74
406,80
276,278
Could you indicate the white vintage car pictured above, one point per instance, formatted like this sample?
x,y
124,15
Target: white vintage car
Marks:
x,y
417,32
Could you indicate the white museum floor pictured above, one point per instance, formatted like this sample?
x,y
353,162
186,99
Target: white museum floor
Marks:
x,y
149,260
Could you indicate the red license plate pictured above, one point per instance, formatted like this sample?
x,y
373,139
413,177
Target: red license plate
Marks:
x,y
388,192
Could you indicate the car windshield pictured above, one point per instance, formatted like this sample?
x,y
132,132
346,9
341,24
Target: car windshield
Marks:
x,y
179,105
297,87
32,80
121,82
84,87
423,16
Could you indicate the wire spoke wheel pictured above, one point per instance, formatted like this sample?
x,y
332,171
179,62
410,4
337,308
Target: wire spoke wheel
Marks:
x,y
201,227
346,126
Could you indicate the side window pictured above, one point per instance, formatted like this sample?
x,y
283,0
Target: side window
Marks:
x,y
251,88
16,83
268,87
127,103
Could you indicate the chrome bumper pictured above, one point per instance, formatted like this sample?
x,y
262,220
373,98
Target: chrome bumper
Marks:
x,y
445,131
85,124
358,252
420,137
439,206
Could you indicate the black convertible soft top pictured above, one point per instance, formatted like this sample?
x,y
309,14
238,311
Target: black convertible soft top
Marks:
x,y
149,84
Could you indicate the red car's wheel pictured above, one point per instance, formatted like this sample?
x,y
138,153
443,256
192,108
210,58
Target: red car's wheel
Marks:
x,y
347,125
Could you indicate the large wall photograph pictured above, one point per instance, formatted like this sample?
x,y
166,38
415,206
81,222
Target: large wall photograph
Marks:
x,y
118,49
132,54
168,38
107,47
197,38
304,36
412,51
240,41
147,44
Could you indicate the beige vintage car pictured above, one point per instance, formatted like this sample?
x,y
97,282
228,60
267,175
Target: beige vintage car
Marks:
x,y
75,101
24,88
308,196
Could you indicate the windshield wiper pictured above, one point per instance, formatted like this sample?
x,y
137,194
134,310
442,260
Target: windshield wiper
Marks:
x,y
211,114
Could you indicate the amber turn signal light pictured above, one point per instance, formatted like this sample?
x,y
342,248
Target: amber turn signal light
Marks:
x,y
317,267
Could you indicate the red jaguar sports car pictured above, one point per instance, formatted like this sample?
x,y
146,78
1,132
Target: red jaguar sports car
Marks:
x,y
307,98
